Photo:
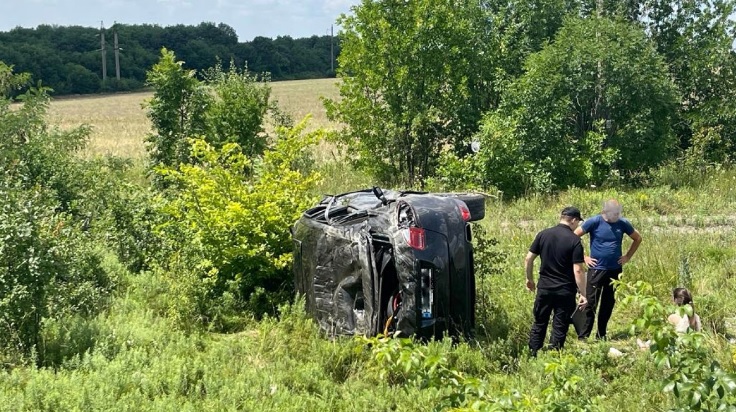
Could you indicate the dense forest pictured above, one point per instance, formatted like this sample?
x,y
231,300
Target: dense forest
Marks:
x,y
68,59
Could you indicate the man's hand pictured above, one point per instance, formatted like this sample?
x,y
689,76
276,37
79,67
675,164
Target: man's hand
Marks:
x,y
530,286
623,260
582,302
590,262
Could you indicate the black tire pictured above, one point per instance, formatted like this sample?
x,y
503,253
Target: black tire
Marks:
x,y
476,203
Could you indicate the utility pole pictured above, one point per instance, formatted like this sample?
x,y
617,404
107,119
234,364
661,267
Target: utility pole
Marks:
x,y
332,49
117,51
102,51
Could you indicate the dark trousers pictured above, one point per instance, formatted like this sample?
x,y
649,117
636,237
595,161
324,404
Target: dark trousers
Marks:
x,y
562,302
599,291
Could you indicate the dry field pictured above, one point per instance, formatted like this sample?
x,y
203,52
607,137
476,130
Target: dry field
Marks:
x,y
119,123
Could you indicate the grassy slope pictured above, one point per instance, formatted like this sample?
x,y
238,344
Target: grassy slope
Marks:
x,y
140,363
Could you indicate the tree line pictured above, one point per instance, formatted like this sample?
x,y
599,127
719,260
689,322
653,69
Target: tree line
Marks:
x,y
68,59
558,93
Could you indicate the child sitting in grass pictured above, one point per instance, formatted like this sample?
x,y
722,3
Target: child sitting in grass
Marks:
x,y
682,296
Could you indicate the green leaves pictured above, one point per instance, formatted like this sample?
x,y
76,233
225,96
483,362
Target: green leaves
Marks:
x,y
416,78
238,108
177,110
236,212
227,107
50,264
595,102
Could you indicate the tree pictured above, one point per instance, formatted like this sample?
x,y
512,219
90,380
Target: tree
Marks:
x,y
177,110
226,107
595,102
80,79
415,79
52,54
696,37
238,109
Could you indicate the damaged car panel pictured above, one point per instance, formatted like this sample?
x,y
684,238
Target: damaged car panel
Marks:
x,y
371,262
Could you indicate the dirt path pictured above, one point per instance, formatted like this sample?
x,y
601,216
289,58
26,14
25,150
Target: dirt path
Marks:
x,y
686,224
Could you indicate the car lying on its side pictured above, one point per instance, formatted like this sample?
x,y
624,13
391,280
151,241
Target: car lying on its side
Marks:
x,y
389,262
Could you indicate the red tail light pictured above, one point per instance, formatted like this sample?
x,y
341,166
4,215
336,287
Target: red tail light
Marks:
x,y
416,238
464,211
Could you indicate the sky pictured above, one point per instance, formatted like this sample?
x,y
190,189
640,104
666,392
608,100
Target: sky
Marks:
x,y
249,18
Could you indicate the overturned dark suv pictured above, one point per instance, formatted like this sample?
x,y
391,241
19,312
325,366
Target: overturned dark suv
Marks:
x,y
388,262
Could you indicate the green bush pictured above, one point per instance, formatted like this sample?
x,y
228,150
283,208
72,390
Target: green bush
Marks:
x,y
595,104
48,268
177,110
239,105
226,107
697,381
51,266
228,220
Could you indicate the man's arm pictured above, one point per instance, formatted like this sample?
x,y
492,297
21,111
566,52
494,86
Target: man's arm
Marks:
x,y
581,281
636,237
588,260
529,266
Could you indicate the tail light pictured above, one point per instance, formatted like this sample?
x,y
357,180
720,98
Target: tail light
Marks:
x,y
416,238
464,211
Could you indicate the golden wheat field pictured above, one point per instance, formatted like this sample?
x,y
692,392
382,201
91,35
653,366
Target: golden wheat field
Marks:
x,y
119,123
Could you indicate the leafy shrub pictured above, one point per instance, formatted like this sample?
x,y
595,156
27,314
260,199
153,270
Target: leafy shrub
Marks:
x,y
404,362
177,110
226,107
48,268
585,110
455,173
239,105
229,217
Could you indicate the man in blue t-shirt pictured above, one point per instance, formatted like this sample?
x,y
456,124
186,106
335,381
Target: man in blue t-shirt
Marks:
x,y
605,262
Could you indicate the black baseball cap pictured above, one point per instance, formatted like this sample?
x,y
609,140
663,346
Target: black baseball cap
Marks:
x,y
573,212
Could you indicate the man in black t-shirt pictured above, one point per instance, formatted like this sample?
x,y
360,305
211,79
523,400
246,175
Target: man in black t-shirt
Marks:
x,y
560,277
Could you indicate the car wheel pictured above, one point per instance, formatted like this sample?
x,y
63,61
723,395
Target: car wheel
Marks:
x,y
476,203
